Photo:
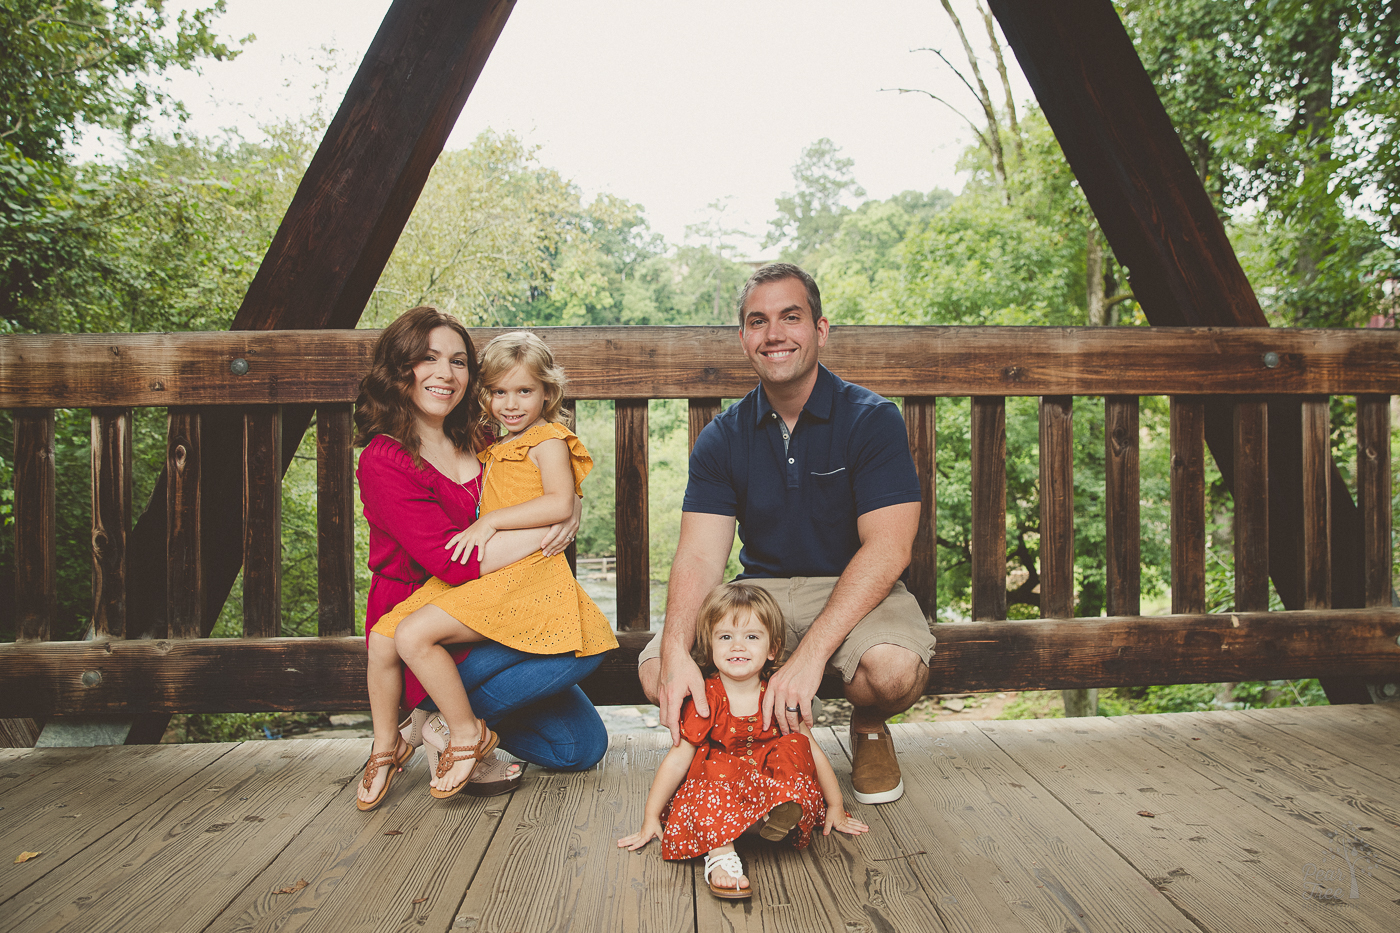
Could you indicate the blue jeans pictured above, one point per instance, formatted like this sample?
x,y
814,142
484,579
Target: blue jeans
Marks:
x,y
534,703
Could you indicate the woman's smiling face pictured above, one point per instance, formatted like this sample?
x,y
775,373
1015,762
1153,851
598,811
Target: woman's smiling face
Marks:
x,y
440,379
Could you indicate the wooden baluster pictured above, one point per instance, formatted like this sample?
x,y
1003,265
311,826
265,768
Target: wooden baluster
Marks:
x,y
1317,496
632,527
1373,495
1251,495
335,521
36,529
702,411
184,575
111,518
920,417
1122,506
262,521
1188,505
988,508
1057,507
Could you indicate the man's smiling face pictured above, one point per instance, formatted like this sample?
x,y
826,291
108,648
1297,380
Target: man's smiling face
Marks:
x,y
780,337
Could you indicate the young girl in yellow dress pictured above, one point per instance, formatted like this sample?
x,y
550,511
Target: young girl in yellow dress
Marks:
x,y
532,475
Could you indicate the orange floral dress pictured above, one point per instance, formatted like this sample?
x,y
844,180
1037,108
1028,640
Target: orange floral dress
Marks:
x,y
740,772
535,604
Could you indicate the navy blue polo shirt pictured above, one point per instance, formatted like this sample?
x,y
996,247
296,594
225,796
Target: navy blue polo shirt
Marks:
x,y
797,508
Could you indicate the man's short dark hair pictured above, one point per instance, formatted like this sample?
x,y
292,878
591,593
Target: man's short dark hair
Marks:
x,y
776,272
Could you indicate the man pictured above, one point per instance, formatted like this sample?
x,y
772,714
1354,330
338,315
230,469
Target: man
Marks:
x,y
817,474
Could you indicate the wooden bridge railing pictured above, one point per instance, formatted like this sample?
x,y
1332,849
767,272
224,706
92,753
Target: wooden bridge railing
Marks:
x,y
175,670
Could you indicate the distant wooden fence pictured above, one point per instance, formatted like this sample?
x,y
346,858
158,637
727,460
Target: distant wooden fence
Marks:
x,y
260,371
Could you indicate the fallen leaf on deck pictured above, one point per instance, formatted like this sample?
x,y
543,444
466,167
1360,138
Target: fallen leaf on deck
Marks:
x,y
26,856
301,883
394,832
1147,813
420,900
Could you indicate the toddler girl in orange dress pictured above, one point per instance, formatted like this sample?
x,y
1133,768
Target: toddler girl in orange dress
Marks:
x,y
732,774
531,477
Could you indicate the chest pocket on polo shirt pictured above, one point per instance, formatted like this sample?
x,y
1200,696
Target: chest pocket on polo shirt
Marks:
x,y
835,498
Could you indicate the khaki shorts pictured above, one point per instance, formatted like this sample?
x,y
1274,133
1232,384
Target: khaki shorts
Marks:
x,y
897,620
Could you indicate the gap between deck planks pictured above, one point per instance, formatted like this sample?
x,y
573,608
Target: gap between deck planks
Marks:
x,y
1004,826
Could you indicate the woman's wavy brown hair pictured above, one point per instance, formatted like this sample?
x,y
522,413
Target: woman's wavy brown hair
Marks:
x,y
385,405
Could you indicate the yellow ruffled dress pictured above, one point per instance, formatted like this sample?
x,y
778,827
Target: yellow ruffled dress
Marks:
x,y
535,604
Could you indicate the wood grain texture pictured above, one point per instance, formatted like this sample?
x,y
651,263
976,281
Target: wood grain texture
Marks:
x,y
262,521
36,529
406,865
1251,512
558,840
184,577
111,518
988,508
1057,507
921,421
249,675
1122,506
314,366
701,411
1373,495
163,861
633,540
335,520
1008,854
1213,853
1317,504
1188,479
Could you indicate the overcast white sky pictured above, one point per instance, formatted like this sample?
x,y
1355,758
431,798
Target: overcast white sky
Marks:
x,y
671,105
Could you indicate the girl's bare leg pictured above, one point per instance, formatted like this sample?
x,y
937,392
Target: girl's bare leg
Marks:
x,y
385,683
421,639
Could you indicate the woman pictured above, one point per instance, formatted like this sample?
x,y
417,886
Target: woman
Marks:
x,y
420,482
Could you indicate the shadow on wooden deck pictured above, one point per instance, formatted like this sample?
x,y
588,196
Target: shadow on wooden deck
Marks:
x,y
1195,821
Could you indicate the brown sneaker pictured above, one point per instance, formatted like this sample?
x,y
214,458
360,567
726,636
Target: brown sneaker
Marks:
x,y
875,770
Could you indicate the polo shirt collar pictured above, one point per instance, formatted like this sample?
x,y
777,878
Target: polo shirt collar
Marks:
x,y
818,403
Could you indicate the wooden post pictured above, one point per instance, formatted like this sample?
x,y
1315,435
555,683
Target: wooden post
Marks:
x,y
1251,494
1057,507
1188,505
111,518
184,581
921,420
632,528
701,412
1373,494
36,530
1122,506
1316,506
988,508
262,521
335,521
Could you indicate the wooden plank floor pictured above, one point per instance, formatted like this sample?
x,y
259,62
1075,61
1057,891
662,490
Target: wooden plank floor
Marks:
x,y
1263,820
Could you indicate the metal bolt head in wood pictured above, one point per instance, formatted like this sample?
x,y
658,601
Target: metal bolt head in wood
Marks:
x,y
92,678
238,367
1390,690
1270,360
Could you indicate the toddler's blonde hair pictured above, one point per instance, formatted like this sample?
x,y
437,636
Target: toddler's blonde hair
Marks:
x,y
728,600
523,348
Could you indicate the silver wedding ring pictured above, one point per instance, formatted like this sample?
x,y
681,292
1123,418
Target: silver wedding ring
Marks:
x,y
793,709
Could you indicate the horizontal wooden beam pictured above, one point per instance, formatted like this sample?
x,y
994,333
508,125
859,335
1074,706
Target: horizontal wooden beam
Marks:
x,y
285,367
248,675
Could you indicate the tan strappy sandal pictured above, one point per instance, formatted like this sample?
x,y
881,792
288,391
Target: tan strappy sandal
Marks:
x,y
391,760
455,753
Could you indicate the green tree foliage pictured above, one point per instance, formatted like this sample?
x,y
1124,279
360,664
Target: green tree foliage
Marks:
x,y
809,217
1288,108
66,65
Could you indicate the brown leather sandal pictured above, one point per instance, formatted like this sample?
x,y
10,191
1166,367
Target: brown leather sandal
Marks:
x,y
393,761
455,753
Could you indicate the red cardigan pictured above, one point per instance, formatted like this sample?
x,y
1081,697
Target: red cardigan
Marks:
x,y
411,514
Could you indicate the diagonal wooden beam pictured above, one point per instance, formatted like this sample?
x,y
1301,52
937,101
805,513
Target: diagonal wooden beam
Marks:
x,y
330,250
1155,212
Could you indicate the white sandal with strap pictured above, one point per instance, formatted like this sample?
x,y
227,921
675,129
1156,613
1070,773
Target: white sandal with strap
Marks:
x,y
732,864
